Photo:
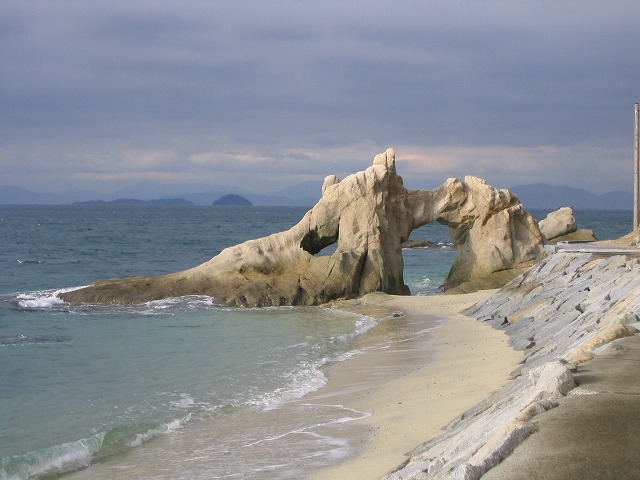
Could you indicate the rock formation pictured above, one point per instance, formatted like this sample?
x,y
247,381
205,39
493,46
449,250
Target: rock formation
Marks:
x,y
493,235
367,215
560,226
558,223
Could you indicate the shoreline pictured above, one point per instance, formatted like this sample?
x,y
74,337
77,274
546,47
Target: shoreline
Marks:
x,y
567,411
485,384
471,361
382,378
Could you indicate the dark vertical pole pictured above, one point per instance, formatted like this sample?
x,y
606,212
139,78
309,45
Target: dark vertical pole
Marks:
x,y
636,172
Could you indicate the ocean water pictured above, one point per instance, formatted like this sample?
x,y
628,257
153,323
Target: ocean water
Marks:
x,y
216,392
80,385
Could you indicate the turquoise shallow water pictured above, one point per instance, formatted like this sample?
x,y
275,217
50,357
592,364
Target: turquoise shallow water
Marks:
x,y
86,384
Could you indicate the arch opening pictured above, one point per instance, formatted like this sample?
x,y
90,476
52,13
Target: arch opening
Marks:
x,y
427,257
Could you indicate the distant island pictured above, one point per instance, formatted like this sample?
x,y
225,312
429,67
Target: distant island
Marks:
x,y
532,196
135,201
232,200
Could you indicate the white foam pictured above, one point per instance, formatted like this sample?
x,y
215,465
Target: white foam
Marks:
x,y
359,415
425,282
41,302
43,299
163,429
365,324
186,302
186,401
310,377
61,458
361,327
348,355
302,383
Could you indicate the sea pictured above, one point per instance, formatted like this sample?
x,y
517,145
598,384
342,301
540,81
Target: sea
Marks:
x,y
182,387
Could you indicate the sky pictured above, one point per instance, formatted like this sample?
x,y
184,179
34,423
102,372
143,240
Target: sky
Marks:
x,y
263,95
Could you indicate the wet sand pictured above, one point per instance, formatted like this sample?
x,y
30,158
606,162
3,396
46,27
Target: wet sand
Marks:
x,y
471,361
421,366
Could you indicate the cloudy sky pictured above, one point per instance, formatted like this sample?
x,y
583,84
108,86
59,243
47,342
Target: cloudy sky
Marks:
x,y
263,95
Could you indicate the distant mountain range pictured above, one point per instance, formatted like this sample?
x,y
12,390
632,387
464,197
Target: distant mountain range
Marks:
x,y
135,201
197,194
543,196
532,196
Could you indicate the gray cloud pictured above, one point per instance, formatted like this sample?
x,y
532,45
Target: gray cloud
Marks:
x,y
310,89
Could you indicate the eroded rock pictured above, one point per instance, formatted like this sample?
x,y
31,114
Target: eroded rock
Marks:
x,y
368,215
558,223
560,226
491,232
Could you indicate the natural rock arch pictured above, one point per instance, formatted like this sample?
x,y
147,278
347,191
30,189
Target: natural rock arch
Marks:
x,y
368,215
492,234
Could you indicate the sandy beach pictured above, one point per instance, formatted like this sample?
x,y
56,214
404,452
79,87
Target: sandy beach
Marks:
x,y
472,360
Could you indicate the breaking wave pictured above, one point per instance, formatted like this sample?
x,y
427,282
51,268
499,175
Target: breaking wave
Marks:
x,y
68,457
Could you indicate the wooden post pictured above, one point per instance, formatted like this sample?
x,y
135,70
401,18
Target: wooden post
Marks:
x,y
636,172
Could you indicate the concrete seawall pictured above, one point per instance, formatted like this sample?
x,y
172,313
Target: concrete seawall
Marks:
x,y
568,314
